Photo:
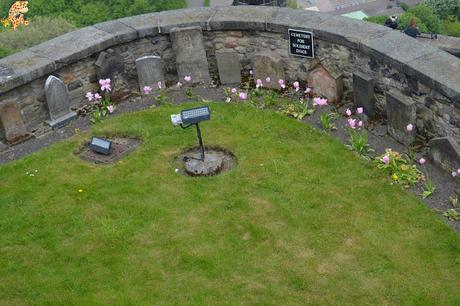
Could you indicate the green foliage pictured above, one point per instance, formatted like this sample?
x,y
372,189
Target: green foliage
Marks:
x,y
427,17
326,120
429,189
87,12
100,110
443,8
451,27
39,30
359,142
377,19
452,214
400,169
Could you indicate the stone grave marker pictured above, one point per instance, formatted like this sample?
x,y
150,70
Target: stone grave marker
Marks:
x,y
401,111
110,65
190,54
445,152
229,66
269,64
363,92
149,72
58,100
326,80
13,125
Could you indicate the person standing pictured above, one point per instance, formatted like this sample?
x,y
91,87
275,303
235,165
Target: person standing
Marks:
x,y
412,29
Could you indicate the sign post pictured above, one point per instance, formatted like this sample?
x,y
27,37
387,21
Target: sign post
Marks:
x,y
301,43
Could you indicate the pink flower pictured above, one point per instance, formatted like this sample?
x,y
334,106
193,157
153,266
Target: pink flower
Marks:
x,y
359,110
352,123
281,83
319,101
89,96
147,90
110,108
360,124
97,97
454,173
234,90
228,100
179,84
421,161
268,80
458,170
159,85
308,90
386,159
259,83
296,86
243,95
409,127
188,78
348,112
105,84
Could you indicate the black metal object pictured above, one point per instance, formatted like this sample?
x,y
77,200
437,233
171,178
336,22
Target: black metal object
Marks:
x,y
260,2
200,140
100,145
195,115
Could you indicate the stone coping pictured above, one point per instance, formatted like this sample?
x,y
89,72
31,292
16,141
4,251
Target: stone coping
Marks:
x,y
432,66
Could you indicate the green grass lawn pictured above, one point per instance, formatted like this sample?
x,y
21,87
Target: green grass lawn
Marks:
x,y
301,220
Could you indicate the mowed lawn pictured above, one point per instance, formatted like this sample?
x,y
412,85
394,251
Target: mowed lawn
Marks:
x,y
300,220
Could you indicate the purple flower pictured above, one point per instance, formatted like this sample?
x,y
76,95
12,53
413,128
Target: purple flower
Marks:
x,y
348,112
234,90
296,86
352,123
147,90
268,80
188,78
179,84
360,124
409,127
105,84
259,83
159,85
97,97
454,173
319,101
281,83
89,96
421,161
359,110
243,95
110,108
458,170
308,90
386,159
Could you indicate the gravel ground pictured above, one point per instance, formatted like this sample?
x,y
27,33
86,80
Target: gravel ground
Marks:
x,y
378,139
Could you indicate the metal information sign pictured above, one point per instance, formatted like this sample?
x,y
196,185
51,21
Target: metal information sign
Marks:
x,y
301,43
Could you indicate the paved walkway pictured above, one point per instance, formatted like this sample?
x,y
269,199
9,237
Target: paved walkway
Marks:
x,y
195,3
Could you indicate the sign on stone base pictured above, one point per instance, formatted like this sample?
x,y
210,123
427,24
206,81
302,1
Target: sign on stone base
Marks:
x,y
301,43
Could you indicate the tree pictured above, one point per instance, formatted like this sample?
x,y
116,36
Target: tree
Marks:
x,y
443,8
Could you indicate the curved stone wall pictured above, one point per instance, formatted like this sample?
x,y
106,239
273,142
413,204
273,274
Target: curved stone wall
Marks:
x,y
425,75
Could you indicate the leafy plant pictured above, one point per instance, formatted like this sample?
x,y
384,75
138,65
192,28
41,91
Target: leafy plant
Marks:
x,y
359,142
453,199
401,170
429,189
452,214
326,121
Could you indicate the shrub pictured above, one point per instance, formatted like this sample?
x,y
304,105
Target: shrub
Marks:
x,y
451,27
443,8
377,19
40,29
427,16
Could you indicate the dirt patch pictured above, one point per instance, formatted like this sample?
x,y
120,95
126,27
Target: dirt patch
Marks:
x,y
120,148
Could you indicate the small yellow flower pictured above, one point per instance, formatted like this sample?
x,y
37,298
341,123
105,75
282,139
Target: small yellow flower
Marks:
x,y
395,177
80,190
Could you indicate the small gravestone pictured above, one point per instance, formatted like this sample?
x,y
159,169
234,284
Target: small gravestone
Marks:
x,y
269,64
191,57
401,111
363,92
110,65
326,80
229,66
445,152
149,72
58,100
13,125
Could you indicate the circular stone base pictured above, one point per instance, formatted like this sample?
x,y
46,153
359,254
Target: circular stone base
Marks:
x,y
211,165
216,160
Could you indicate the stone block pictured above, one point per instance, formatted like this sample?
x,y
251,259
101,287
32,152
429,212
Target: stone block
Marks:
x,y
149,72
58,100
119,30
250,17
325,80
13,126
401,111
445,153
190,54
363,92
110,65
229,66
269,64
3,147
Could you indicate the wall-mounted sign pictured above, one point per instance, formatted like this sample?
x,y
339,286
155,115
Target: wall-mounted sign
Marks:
x,y
301,43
